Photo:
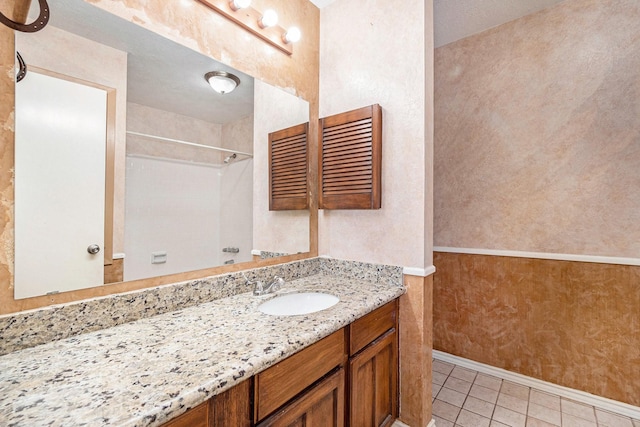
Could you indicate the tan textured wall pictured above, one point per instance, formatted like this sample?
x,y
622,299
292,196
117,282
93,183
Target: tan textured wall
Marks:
x,y
191,24
570,323
378,55
538,133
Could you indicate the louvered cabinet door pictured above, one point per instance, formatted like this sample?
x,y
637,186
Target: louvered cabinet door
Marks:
x,y
288,164
350,159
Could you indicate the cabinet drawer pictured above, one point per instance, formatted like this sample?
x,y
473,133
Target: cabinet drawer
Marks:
x,y
281,382
196,417
368,328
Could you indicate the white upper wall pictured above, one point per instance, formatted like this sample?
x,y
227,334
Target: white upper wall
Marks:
x,y
457,19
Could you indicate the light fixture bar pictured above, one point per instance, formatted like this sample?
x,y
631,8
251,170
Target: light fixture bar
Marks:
x,y
249,19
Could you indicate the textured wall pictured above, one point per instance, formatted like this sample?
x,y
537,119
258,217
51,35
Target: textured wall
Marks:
x,y
372,55
191,24
538,133
570,323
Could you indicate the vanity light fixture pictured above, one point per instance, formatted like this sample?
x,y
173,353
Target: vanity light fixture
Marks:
x,y
268,19
239,4
264,25
221,81
292,35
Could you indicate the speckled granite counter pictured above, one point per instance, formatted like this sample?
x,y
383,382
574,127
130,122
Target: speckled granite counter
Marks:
x,y
148,371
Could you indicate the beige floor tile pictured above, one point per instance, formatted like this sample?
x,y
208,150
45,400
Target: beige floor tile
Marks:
x,y
435,389
487,394
469,419
607,419
545,399
458,385
495,423
479,406
509,417
534,422
488,381
573,421
441,422
464,374
451,396
442,367
579,410
515,390
636,423
445,410
544,414
513,403
438,378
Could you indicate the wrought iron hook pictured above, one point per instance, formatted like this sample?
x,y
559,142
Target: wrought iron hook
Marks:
x,y
40,22
23,68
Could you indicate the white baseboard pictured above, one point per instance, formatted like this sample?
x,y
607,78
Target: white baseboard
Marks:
x,y
569,393
398,423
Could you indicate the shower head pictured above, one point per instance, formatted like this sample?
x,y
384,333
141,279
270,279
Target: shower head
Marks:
x,y
229,158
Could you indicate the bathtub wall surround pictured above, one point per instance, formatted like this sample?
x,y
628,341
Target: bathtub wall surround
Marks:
x,y
34,327
193,25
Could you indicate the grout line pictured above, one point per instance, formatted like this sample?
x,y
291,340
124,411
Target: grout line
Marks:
x,y
599,402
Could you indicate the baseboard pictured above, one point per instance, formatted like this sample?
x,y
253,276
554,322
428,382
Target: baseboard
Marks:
x,y
398,423
569,393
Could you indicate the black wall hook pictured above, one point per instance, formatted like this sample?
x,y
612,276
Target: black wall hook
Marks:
x,y
23,68
40,22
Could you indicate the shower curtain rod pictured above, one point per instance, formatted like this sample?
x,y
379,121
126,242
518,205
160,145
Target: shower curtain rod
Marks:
x,y
192,144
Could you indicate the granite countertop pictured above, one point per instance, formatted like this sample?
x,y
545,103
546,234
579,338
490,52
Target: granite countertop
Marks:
x,y
146,372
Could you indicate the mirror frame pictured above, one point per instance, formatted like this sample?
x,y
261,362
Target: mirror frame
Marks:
x,y
197,29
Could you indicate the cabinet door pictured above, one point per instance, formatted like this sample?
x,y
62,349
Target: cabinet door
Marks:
x,y
321,406
373,383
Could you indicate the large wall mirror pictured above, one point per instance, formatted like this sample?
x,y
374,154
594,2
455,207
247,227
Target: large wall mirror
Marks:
x,y
174,181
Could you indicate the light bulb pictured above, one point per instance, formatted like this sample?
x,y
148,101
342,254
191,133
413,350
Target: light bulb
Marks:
x,y
292,35
269,18
239,4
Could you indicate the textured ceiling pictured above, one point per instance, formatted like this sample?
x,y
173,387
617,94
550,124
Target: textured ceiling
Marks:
x,y
457,19
322,3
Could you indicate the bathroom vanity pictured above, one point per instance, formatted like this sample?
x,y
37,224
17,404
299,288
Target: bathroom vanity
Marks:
x,y
202,364
349,375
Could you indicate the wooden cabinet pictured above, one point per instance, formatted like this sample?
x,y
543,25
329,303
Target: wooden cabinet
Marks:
x,y
373,369
321,406
349,377
196,417
282,382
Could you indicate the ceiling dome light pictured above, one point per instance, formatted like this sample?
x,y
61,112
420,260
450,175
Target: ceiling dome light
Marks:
x,y
269,18
221,81
239,4
292,35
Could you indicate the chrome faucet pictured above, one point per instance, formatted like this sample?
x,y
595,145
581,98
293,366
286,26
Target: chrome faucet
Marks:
x,y
260,289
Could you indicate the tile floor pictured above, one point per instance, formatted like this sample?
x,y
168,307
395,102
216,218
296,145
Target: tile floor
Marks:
x,y
466,398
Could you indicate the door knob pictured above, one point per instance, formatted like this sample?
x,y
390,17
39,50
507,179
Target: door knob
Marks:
x,y
93,249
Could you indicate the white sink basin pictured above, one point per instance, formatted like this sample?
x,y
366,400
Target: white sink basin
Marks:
x,y
299,303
